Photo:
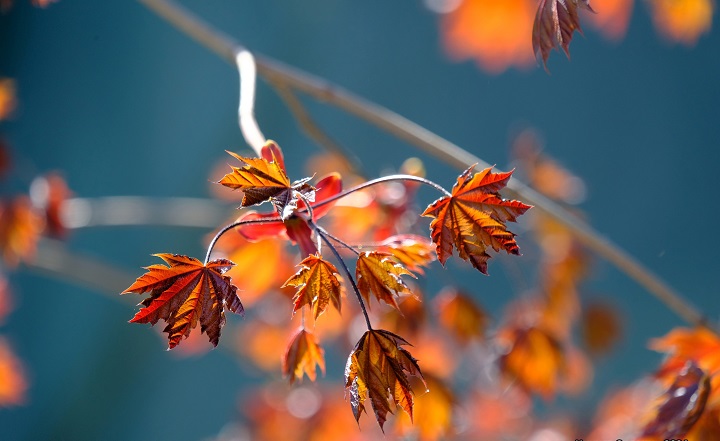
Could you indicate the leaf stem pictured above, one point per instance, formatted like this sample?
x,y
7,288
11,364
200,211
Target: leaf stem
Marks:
x,y
278,73
227,228
347,272
381,180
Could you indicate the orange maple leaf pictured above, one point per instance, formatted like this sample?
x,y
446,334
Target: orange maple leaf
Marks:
x,y
433,413
411,250
13,384
612,17
261,180
376,272
302,354
185,293
318,285
555,23
377,369
473,218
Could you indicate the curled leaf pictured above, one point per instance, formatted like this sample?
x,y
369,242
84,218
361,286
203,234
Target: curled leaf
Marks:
x,y
473,218
318,285
301,356
377,369
376,272
681,406
185,293
555,23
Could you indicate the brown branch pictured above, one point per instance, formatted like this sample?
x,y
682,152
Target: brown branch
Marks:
x,y
276,72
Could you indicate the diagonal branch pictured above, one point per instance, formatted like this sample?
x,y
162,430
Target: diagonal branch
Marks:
x,y
276,72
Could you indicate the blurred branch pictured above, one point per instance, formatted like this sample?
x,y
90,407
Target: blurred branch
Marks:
x,y
311,129
278,73
54,259
246,114
135,210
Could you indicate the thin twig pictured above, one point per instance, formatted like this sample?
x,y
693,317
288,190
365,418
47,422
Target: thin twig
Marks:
x,y
347,273
276,72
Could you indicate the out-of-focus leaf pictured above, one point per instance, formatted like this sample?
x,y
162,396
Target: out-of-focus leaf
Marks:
x,y
460,315
494,33
474,217
20,228
612,17
377,369
185,293
49,193
555,23
302,354
681,406
534,358
7,97
318,285
13,384
600,327
682,21
376,272
411,250
433,413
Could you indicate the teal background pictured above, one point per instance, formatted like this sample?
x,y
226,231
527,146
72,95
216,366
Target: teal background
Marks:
x,y
124,104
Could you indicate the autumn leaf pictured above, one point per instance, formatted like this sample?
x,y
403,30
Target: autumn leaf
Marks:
x,y
8,101
377,369
318,285
301,356
494,33
262,180
460,315
411,250
682,21
185,293
376,272
433,413
534,358
555,22
612,17
473,218
681,406
49,193
13,382
601,327
20,228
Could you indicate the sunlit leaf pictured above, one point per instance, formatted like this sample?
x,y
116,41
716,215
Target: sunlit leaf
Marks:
x,y
377,369
379,274
682,21
681,405
411,250
555,23
318,285
473,218
302,355
185,293
261,180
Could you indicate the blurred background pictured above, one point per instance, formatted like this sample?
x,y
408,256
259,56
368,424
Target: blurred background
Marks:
x,y
120,103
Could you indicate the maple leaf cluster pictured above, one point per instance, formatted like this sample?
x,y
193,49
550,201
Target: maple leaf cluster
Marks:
x,y
187,292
